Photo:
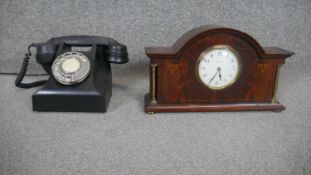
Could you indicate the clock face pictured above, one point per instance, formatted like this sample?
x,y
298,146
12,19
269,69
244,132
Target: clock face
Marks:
x,y
218,67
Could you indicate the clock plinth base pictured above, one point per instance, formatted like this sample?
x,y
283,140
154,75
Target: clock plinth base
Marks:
x,y
224,107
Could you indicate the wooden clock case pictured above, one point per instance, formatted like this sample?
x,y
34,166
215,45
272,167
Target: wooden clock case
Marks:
x,y
174,86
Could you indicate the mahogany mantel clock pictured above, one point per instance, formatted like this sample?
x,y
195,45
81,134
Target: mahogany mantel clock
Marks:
x,y
213,68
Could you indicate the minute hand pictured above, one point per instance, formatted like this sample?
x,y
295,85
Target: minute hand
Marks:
x,y
214,75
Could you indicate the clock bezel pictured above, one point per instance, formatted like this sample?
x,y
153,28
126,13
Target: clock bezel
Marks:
x,y
221,46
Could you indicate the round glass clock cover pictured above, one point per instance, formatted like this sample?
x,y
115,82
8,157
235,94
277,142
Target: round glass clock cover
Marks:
x,y
218,67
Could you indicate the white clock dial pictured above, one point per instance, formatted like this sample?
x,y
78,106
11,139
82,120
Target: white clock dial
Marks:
x,y
218,67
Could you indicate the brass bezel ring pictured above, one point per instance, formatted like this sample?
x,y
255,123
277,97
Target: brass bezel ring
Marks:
x,y
202,57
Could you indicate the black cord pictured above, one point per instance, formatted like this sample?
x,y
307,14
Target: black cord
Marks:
x,y
33,75
22,72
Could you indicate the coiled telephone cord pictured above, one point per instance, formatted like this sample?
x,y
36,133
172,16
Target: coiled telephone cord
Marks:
x,y
22,72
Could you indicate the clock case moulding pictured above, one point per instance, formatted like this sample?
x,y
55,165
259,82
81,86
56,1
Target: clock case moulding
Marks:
x,y
174,86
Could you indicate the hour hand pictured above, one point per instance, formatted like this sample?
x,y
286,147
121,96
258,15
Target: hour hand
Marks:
x,y
219,73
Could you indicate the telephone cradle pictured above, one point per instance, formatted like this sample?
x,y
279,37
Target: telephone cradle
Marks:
x,y
89,84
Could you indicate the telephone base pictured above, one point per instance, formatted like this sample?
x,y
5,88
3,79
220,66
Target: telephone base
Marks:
x,y
48,100
91,95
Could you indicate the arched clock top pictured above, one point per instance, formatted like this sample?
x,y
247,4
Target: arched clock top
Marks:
x,y
193,35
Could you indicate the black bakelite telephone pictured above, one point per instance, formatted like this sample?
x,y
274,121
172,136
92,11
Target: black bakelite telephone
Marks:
x,y
79,81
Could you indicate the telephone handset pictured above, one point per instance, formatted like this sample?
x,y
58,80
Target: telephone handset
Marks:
x,y
114,53
79,81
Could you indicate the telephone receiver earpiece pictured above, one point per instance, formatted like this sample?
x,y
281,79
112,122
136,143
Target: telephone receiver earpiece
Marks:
x,y
117,53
